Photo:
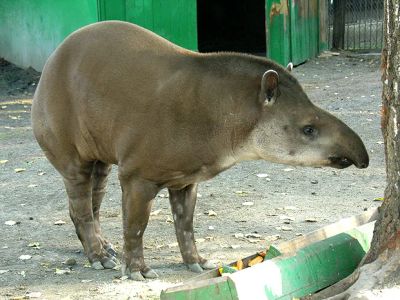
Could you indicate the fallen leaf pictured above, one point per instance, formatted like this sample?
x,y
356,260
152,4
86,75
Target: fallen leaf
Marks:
x,y
311,220
10,223
286,228
253,235
290,208
169,220
211,213
62,271
19,170
25,257
3,161
32,185
379,199
4,271
41,173
248,203
288,170
211,228
199,195
239,235
31,295
273,238
284,217
262,175
172,245
59,222
162,196
380,142
22,273
155,213
90,280
34,245
240,192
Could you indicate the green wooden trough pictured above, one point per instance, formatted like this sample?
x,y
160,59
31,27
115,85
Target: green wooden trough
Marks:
x,y
291,269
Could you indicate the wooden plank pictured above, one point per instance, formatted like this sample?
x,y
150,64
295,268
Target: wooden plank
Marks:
x,y
278,31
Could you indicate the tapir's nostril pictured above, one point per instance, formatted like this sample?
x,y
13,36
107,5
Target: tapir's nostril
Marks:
x,y
363,165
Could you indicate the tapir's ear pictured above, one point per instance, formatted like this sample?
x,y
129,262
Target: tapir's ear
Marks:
x,y
269,87
289,67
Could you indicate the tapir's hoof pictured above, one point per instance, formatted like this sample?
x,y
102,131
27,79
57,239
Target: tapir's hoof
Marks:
x,y
106,263
208,265
110,249
195,268
150,274
138,275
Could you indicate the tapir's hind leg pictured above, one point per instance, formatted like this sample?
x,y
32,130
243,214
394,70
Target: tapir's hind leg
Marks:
x,y
100,175
78,183
182,204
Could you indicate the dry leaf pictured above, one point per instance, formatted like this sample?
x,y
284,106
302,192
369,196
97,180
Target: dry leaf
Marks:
x,y
62,271
288,170
248,203
379,199
3,161
211,213
19,170
311,220
155,213
169,220
59,222
172,245
10,223
290,208
3,271
239,235
32,295
253,235
32,185
286,228
211,228
262,175
41,173
25,257
35,245
284,217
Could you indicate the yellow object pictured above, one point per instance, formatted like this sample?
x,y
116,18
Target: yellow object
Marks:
x,y
256,260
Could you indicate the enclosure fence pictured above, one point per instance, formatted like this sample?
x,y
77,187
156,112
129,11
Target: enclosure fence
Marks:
x,y
355,24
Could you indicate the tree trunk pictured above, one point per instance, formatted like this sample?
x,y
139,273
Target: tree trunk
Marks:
x,y
378,276
339,11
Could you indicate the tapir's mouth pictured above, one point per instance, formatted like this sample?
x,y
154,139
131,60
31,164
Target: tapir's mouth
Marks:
x,y
340,162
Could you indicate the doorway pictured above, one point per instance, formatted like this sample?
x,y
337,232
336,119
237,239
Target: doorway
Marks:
x,y
231,25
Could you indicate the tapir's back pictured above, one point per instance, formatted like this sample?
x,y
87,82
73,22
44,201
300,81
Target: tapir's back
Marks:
x,y
102,73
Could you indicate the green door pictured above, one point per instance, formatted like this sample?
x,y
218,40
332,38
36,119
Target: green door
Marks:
x,y
175,20
304,24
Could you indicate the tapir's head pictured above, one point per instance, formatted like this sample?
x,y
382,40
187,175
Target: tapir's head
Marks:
x,y
291,130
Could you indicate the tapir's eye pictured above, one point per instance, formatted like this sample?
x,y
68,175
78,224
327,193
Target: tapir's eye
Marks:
x,y
309,130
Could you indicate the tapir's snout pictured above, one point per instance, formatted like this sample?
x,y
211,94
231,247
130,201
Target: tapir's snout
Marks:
x,y
351,151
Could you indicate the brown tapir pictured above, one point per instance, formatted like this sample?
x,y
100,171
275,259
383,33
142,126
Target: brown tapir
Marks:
x,y
115,93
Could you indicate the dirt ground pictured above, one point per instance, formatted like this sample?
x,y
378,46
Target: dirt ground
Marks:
x,y
32,195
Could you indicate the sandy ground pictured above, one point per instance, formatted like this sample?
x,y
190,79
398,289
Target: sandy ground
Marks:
x,y
32,195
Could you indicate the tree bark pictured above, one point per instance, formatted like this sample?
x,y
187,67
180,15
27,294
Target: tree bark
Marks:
x,y
378,276
339,12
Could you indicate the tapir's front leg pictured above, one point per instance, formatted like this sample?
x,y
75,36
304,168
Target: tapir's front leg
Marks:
x,y
137,198
183,203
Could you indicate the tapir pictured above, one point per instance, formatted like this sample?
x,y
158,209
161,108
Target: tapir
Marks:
x,y
114,93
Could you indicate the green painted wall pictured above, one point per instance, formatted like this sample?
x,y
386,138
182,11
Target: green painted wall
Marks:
x,y
175,20
31,29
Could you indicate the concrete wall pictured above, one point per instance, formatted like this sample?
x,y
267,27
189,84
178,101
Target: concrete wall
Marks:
x,y
31,29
